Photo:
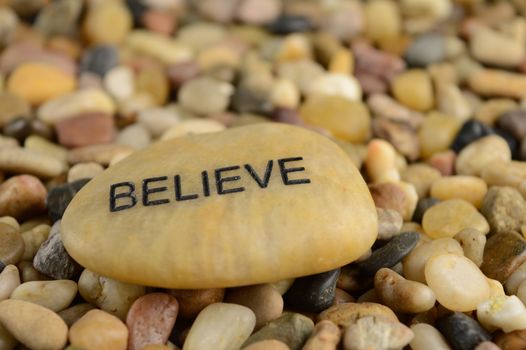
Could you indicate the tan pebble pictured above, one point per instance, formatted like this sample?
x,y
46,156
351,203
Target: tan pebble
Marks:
x,y
12,106
191,302
414,263
159,46
11,244
99,330
11,221
39,144
326,336
345,314
421,176
75,103
402,295
472,242
73,313
383,19
110,295
101,154
427,337
150,320
342,62
283,286
494,48
29,273
482,153
34,222
33,238
33,325
451,101
264,300
19,160
100,13
284,94
385,106
9,280
434,10
153,81
389,223
31,82
449,217
22,196
271,344
469,188
437,133
494,82
54,295
457,282
376,332
7,341
505,173
489,111
192,127
413,89
380,162
84,171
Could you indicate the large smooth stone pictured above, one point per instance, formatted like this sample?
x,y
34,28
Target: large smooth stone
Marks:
x,y
249,205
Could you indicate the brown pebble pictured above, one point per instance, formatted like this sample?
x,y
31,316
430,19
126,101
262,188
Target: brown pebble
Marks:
x,y
443,162
515,340
22,196
159,21
150,320
11,244
388,196
505,209
503,254
85,129
192,301
345,314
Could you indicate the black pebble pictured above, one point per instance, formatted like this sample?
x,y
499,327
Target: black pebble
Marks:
x,y
421,207
287,24
2,266
99,59
461,331
137,9
313,293
22,127
390,254
59,197
470,131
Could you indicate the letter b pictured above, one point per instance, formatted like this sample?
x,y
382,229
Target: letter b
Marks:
x,y
129,194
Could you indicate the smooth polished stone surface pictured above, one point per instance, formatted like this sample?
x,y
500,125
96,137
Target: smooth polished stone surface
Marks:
x,y
249,205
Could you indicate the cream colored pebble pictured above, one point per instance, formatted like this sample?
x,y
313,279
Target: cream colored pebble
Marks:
x,y
505,173
193,127
9,281
457,282
414,262
84,171
411,199
502,312
472,242
41,145
481,153
380,162
284,94
427,337
469,188
25,161
54,295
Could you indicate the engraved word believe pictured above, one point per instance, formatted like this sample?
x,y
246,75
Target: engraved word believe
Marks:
x,y
120,200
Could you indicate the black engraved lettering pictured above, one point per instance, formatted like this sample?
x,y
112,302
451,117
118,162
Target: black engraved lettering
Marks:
x,y
206,184
220,181
178,192
285,171
266,178
146,191
128,194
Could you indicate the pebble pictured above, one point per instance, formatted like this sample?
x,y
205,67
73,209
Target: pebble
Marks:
x,y
12,244
325,336
511,341
33,238
30,81
54,295
60,196
192,302
373,332
400,135
513,122
346,314
43,145
192,92
7,341
22,196
490,110
457,282
99,59
413,89
98,330
389,196
449,217
271,344
383,20
470,131
422,206
473,243
135,136
11,107
84,171
159,46
33,325
286,24
497,49
52,259
150,320
152,82
192,127
469,188
313,293
402,295
120,82
59,18
494,82
158,120
9,280
73,313
461,331
85,129
220,326
98,15
427,337
74,104
451,101
505,209
292,329
258,12
380,162
503,254
502,312
426,49
480,154
226,272
390,254
335,84
437,133
386,107
389,223
110,295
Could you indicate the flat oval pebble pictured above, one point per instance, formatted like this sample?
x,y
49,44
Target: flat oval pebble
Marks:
x,y
140,202
54,295
469,188
457,282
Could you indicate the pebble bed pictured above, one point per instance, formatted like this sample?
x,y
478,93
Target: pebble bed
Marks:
x,y
426,97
